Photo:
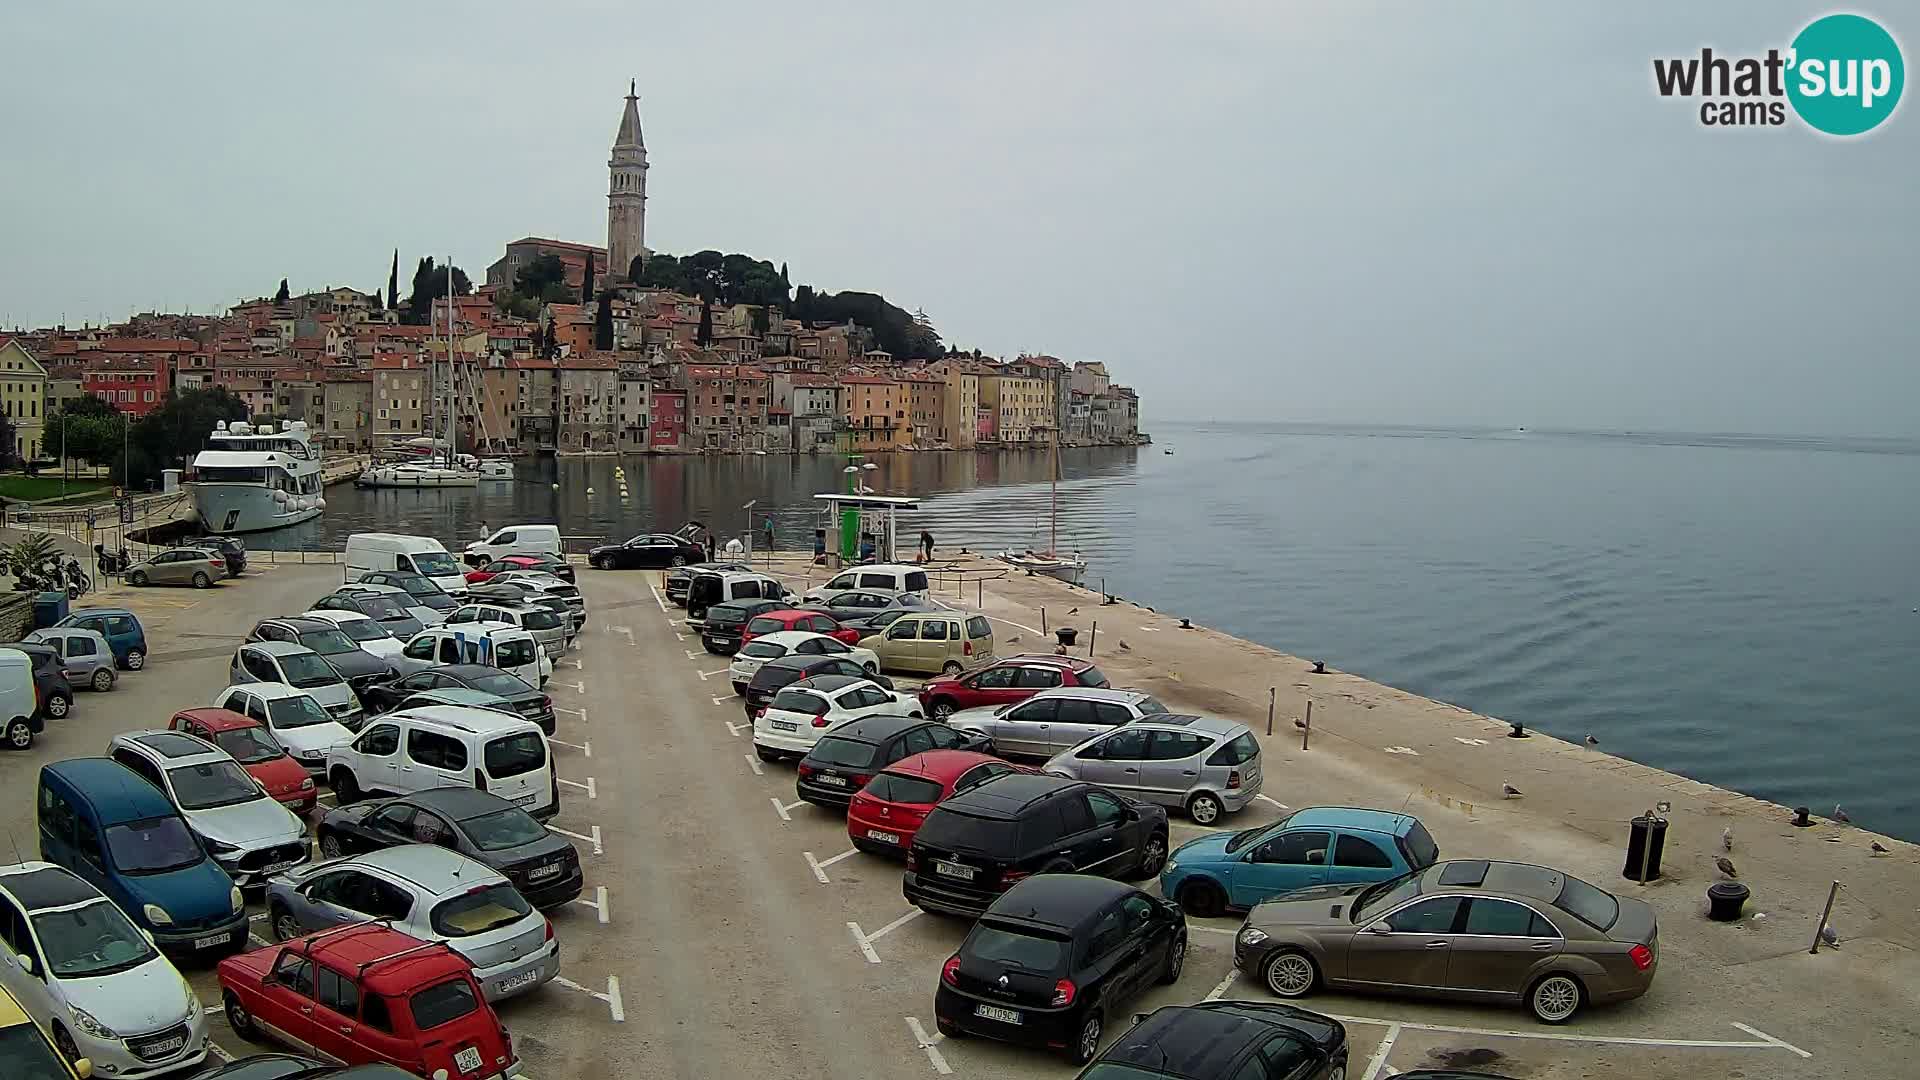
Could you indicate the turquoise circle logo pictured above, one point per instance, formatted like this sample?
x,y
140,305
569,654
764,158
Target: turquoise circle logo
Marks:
x,y
1847,74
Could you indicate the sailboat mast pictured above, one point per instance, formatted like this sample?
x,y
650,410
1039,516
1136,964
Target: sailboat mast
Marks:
x,y
1053,516
453,428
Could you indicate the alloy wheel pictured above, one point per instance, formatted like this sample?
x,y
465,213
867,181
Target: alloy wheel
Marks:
x,y
1290,974
1204,809
19,735
1089,1042
1154,856
1555,998
58,707
136,660
103,680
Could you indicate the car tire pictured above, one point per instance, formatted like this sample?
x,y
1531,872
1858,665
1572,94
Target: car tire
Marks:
x,y
1176,961
330,844
1202,899
765,754
677,560
136,659
238,1018
951,667
102,680
1204,808
201,580
345,788
59,705
1152,858
871,667
282,924
1290,973
1086,1044
63,1042
19,734
603,562
1339,1070
1555,998
1058,866
137,579
942,708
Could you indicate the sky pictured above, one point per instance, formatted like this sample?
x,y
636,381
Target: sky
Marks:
x,y
1402,213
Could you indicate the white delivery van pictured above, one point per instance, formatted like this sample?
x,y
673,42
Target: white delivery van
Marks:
x,y
516,540
20,717
499,645
423,555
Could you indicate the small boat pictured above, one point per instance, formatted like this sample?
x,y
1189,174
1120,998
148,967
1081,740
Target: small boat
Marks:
x,y
416,476
1068,568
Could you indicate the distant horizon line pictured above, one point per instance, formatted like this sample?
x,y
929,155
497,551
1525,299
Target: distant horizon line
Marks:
x,y
1487,429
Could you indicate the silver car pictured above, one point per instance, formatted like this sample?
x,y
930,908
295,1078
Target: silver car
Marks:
x,y
432,894
85,655
246,831
551,629
1201,764
300,668
1055,720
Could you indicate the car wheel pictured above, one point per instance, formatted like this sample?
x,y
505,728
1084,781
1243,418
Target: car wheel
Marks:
x,y
602,562
1555,998
285,926
1339,1070
1204,808
102,680
136,659
59,705
1176,961
942,708
1152,857
330,845
19,734
345,788
871,667
951,667
238,1019
765,754
1202,899
63,1042
1087,1043
1058,866
137,578
679,560
1290,973
201,580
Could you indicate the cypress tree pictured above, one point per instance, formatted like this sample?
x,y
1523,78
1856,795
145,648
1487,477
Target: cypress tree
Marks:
x,y
586,282
706,321
281,296
393,282
603,323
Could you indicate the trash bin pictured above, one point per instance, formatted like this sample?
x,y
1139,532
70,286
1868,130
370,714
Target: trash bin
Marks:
x,y
48,609
1725,899
1645,842
1066,634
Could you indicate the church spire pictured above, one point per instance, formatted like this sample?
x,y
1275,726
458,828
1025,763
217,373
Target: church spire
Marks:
x,y
630,121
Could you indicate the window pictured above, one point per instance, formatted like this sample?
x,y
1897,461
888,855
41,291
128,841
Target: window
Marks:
x,y
977,626
1434,916
337,992
382,741
1106,809
397,819
479,911
515,754
1037,678
1174,745
1306,847
1283,1057
1000,678
147,770
1504,918
933,629
375,1013
436,751
1109,714
918,741
447,1002
1109,933
1074,711
1123,746
1418,846
1594,906
295,972
1351,850
904,630
1237,752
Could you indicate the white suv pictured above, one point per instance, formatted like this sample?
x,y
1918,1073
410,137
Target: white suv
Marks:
x,y
246,830
448,746
802,712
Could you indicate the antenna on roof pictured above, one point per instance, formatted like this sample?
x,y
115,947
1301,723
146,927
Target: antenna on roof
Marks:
x,y
15,844
1407,803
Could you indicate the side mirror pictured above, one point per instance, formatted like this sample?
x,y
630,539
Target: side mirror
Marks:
x,y
1379,928
25,962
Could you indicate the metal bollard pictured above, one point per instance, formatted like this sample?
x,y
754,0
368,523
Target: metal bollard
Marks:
x,y
1825,914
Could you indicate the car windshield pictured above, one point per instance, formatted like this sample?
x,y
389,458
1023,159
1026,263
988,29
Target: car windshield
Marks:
x,y
154,846
1095,678
1014,947
763,650
296,712
1386,894
211,784
87,942
248,745
501,684
363,630
25,1055
413,583
540,619
306,669
382,607
1247,836
503,829
1589,903
902,788
328,642
843,752
484,908
512,755
948,828
435,564
1151,707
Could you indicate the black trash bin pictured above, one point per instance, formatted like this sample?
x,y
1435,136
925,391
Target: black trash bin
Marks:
x,y
1725,899
1645,842
1066,634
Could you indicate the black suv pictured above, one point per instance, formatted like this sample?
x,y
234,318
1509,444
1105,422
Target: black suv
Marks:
x,y
51,690
982,841
846,760
524,698
1057,957
229,548
725,622
785,670
1236,1038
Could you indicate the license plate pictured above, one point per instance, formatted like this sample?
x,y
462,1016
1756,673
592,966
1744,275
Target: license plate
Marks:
x,y
274,868
525,800
785,725
164,1047
546,871
955,870
716,639
525,978
994,1012
830,779
883,837
468,1060
211,941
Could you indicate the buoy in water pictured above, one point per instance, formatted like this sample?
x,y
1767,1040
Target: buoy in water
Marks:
x,y
556,487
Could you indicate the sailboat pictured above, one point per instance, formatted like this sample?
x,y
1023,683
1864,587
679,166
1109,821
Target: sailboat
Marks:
x,y
1051,562
439,463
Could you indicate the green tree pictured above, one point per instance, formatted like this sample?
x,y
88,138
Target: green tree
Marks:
x,y
705,335
92,438
603,323
430,284
586,282
281,296
90,405
170,435
393,283
6,441
544,280
637,269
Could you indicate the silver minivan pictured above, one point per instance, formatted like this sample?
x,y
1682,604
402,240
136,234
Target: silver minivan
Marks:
x,y
84,654
1202,764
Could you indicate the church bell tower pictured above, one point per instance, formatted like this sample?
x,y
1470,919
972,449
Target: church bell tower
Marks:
x,y
626,193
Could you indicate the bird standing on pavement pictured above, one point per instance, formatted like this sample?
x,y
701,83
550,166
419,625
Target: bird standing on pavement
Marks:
x,y
1124,647
1591,741
1299,723
1508,791
1831,936
1073,611
1725,866
1726,838
1880,849
1014,640
1840,815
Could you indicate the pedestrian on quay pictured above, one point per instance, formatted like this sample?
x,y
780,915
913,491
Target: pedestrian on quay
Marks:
x,y
819,547
769,522
866,547
926,546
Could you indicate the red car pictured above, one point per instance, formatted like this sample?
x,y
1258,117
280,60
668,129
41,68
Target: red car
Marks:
x,y
544,564
1006,680
885,814
257,752
362,993
772,622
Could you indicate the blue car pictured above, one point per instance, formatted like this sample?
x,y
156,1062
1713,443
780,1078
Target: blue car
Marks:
x,y
1317,845
120,627
113,828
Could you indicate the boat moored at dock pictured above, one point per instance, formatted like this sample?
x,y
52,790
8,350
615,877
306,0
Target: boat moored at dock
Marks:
x,y
251,479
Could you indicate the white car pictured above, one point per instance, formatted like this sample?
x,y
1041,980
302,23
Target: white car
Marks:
x,y
365,631
448,746
781,643
91,979
804,711
297,721
246,830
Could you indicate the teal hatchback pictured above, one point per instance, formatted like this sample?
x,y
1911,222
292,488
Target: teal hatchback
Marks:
x,y
1317,845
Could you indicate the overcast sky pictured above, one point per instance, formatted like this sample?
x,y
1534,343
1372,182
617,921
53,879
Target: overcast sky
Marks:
x,y
1350,212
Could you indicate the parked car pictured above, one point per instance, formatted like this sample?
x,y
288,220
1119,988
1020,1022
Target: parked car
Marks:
x,y
498,645
20,711
356,665
423,589
25,1051
424,614
365,994
52,693
726,623
478,824
231,548
885,814
244,828
1201,764
521,696
710,587
460,696
974,846
803,711
775,619
364,631
933,641
747,662
196,566
845,760
892,578
857,603
1055,958
122,629
389,612
1470,929
371,553
444,746
522,539
551,565
1051,721
866,621
786,670
1233,1039
104,823
537,584
531,593
1315,845
297,721
249,742
84,655
649,551
680,578
298,667
1010,680
551,629
90,977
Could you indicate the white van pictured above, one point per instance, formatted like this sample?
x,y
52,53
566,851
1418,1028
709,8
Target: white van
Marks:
x,y
499,645
19,704
895,578
423,555
516,540
448,746
710,587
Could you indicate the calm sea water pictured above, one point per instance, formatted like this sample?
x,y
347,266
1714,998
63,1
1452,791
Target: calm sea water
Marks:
x,y
1738,609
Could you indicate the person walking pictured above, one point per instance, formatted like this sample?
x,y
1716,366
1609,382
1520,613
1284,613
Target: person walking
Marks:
x,y
769,523
926,546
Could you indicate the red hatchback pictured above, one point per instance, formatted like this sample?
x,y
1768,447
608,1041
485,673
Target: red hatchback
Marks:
x,y
363,993
885,814
1007,680
540,563
257,752
772,622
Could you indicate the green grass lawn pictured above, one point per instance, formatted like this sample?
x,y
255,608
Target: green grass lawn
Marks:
x,y
35,488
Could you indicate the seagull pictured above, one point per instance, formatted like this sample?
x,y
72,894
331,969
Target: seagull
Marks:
x,y
1508,791
1591,741
1014,640
1879,849
1840,815
1319,667
1725,866
1073,611
1726,838
1831,936
1302,725
1124,647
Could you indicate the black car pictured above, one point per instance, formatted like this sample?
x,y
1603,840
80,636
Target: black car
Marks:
x,y
383,607
725,622
359,667
845,761
419,586
1057,958
680,578
779,672
271,1067
486,828
527,699
652,551
1234,1039
51,690
229,547
981,841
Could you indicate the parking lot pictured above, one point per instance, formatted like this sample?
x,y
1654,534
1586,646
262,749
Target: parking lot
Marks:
x,y
729,930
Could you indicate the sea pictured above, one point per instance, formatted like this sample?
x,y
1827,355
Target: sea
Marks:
x,y
1740,609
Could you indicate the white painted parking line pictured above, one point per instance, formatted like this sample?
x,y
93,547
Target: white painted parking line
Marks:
x,y
257,917
657,598
598,903
820,865
216,1049
819,872
260,941
1758,1034
1379,1059
931,1046
584,747
734,729
1762,1040
1219,991
895,924
577,665
1227,930
328,797
783,809
691,655
1274,801
627,630
593,839
705,675
611,997
860,939
753,762
588,787
581,712
576,686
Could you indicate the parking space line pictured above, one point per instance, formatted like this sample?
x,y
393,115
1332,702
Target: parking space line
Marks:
x,y
581,712
598,903
895,925
1263,797
329,796
576,686
657,598
724,700
734,729
1379,1059
611,997
1763,1042
585,747
1229,931
215,1048
1758,1034
258,940
577,665
1219,991
588,787
753,763
820,866
705,675
819,872
931,1046
594,839
691,655
860,939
